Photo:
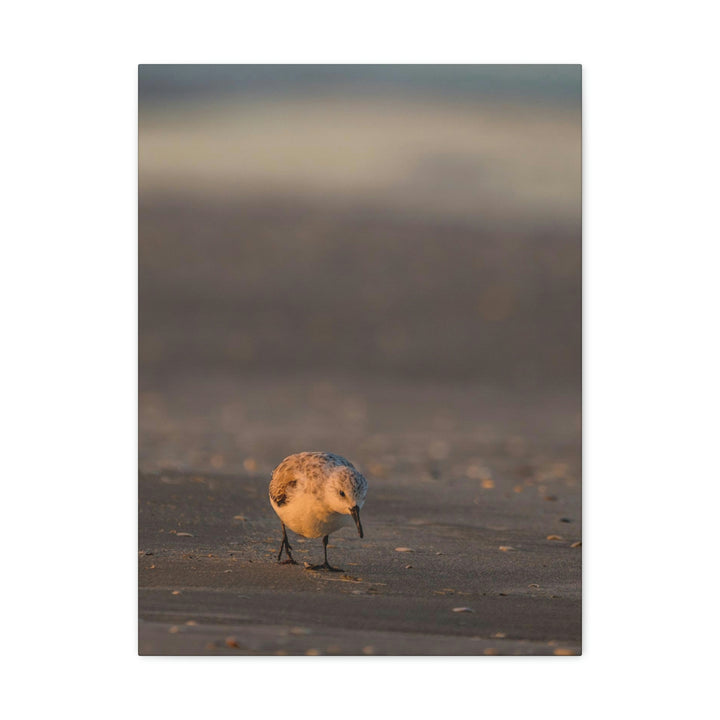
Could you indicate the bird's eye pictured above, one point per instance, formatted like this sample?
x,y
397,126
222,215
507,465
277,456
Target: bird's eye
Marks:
x,y
342,494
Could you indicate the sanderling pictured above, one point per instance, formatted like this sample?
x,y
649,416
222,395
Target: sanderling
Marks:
x,y
314,494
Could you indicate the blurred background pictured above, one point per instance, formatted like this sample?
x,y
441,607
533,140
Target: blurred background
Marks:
x,y
382,261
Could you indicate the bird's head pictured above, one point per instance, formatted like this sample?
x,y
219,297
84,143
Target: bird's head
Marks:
x,y
345,494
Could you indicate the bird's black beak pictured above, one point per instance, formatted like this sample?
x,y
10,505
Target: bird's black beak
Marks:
x,y
355,512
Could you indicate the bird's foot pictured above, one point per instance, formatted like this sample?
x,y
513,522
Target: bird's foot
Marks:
x,y
287,561
324,566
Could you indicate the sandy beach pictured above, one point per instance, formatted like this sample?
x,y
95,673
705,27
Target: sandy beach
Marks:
x,y
487,516
454,387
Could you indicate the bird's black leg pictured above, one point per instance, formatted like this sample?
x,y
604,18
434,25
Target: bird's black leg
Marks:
x,y
286,545
326,565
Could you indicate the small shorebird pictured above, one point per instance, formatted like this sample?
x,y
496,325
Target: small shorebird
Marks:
x,y
314,494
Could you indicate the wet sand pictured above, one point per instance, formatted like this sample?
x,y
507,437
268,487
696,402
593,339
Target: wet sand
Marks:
x,y
489,511
440,355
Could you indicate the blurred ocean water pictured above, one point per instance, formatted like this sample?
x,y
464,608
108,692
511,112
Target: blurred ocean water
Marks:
x,y
550,85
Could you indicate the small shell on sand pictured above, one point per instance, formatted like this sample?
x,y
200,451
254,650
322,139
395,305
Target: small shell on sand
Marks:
x,y
506,548
576,544
463,609
299,630
404,549
553,537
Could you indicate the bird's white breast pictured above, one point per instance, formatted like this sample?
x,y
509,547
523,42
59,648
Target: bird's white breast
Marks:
x,y
306,515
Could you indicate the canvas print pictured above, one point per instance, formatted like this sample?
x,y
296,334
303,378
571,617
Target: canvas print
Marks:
x,y
360,360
